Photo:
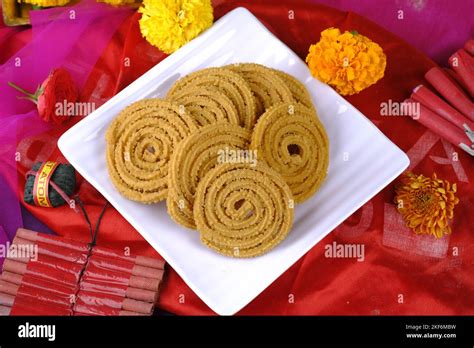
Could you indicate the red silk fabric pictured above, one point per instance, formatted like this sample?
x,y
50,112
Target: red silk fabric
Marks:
x,y
400,274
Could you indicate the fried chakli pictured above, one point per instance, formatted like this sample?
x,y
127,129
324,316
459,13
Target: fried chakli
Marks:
x,y
140,142
193,158
298,90
229,82
291,140
268,88
207,105
243,211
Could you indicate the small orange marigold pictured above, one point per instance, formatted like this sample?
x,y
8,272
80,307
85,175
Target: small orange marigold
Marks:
x,y
426,204
349,62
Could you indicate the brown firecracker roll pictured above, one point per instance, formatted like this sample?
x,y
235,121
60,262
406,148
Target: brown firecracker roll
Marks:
x,y
12,277
144,283
5,310
8,288
6,299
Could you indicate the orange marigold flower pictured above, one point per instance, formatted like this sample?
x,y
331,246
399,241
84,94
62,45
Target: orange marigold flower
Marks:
x,y
426,204
349,62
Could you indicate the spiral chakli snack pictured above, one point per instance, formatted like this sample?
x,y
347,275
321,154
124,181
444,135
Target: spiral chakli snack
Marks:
x,y
243,211
228,81
298,90
207,105
268,88
194,157
140,142
291,140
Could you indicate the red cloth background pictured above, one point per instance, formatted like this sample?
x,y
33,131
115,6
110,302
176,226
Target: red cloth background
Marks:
x,y
391,280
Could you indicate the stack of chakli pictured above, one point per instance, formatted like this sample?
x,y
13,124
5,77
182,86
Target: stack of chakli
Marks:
x,y
232,150
51,275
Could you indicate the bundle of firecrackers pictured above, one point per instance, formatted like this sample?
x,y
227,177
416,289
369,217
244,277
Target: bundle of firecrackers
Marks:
x,y
59,276
450,113
427,203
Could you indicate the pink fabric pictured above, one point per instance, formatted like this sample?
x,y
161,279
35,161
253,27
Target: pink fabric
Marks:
x,y
3,241
72,38
436,27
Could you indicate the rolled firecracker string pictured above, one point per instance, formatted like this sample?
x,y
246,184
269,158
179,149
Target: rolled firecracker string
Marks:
x,y
59,252
142,295
77,313
439,125
130,314
107,304
50,239
71,271
34,295
5,310
119,289
122,313
42,295
469,47
139,260
6,299
8,288
34,282
92,271
463,64
13,278
52,249
453,94
24,305
79,246
138,306
144,283
456,79
429,99
132,294
126,266
43,270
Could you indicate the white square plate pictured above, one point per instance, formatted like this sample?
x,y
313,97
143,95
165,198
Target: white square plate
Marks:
x,y
362,162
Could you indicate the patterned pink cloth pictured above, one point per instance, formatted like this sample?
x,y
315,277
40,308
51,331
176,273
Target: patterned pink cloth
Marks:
x,y
436,27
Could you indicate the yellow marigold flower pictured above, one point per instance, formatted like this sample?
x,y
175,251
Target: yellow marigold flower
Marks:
x,y
45,3
117,2
426,204
169,24
349,62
